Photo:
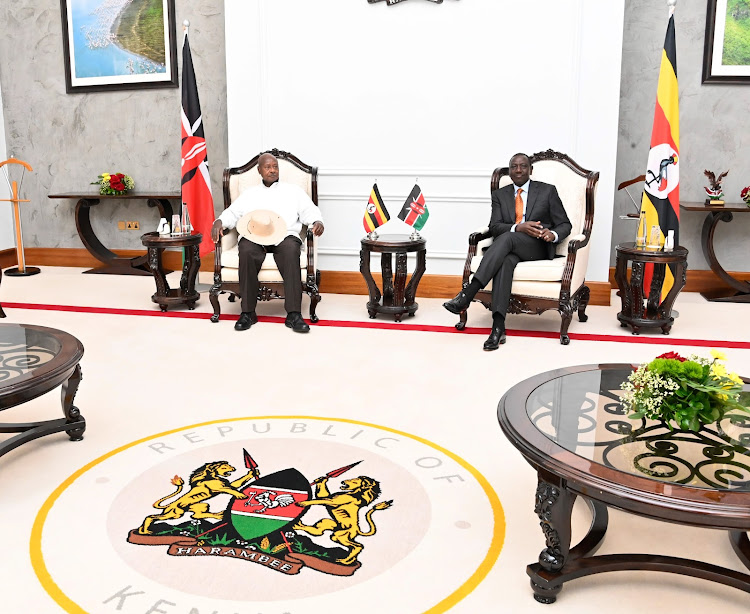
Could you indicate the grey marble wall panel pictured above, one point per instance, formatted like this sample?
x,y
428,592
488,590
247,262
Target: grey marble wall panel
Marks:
x,y
714,131
70,138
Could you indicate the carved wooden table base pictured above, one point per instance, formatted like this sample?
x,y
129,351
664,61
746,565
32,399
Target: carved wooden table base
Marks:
x,y
397,296
656,312
186,293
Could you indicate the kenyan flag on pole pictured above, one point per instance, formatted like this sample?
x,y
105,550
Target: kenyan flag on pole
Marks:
x,y
270,505
414,212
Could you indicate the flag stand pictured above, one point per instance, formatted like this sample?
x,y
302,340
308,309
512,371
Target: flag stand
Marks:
x,y
21,270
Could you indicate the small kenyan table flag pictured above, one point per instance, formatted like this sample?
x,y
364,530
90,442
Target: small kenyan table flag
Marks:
x,y
414,212
375,214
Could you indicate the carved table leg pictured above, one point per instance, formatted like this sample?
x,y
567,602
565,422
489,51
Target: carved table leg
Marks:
x,y
72,413
553,506
386,261
636,289
411,289
372,288
190,272
154,263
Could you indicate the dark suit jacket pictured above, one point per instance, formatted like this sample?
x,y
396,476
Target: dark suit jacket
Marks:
x,y
543,204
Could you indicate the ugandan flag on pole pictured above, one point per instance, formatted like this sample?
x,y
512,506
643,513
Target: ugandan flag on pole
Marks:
x,y
375,214
661,191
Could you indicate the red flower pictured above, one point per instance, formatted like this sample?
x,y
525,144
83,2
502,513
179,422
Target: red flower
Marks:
x,y
672,356
745,192
116,186
119,176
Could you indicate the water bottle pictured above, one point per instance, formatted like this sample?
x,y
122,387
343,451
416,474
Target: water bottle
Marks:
x,y
640,236
669,241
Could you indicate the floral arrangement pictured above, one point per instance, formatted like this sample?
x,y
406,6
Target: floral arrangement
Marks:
x,y
745,194
114,183
685,392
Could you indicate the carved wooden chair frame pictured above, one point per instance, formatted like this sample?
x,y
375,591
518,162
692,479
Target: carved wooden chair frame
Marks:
x,y
269,290
565,304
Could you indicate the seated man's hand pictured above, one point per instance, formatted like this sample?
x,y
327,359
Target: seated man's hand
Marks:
x,y
217,230
533,229
318,228
547,235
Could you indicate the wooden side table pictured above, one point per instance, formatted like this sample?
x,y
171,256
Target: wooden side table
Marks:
x,y
657,313
114,264
186,293
738,291
398,298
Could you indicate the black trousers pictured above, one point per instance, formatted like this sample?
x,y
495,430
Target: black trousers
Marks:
x,y
286,254
500,260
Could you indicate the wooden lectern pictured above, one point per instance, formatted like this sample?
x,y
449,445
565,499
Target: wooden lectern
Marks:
x,y
21,269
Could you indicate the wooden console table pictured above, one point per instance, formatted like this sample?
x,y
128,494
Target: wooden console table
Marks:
x,y
398,297
186,293
657,313
740,290
114,264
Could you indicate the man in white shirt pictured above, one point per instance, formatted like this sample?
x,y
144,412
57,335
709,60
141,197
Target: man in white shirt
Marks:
x,y
528,219
296,209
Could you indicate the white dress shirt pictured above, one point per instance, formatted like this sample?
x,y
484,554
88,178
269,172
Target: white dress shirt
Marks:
x,y
288,200
524,198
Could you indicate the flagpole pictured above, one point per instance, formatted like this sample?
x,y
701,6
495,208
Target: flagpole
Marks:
x,y
671,4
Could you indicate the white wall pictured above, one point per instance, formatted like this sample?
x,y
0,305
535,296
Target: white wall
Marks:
x,y
440,92
6,213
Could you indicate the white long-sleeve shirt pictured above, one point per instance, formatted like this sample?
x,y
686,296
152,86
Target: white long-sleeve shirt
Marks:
x,y
288,200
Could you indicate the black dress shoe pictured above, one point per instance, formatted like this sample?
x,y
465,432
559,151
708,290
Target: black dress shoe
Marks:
x,y
495,340
247,319
458,304
296,323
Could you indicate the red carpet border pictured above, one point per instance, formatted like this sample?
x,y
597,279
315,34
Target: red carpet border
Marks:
x,y
655,340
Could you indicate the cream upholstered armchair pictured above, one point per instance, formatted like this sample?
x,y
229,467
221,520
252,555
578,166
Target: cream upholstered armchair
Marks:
x,y
557,284
226,258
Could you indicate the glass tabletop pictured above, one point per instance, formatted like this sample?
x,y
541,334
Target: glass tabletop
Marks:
x,y
582,412
24,351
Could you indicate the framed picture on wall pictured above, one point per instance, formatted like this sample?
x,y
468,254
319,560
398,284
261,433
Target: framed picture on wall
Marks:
x,y
726,53
118,44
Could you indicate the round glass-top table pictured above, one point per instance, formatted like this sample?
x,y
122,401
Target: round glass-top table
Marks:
x,y
572,427
33,361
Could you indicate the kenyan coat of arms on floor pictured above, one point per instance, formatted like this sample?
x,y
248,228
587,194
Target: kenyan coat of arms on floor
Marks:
x,y
264,520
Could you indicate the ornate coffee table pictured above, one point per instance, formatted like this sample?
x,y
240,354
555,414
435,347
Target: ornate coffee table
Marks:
x,y
570,426
33,361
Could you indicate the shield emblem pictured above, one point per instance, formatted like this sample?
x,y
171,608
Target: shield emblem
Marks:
x,y
271,504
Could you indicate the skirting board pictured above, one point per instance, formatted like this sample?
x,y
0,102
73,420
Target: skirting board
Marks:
x,y
340,282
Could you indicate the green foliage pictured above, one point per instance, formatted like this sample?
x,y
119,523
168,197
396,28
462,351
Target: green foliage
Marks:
x,y
736,47
687,394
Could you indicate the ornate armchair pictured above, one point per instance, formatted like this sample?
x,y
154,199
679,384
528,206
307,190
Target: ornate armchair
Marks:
x,y
547,284
226,257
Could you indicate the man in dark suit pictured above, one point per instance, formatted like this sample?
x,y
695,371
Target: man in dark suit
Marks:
x,y
528,219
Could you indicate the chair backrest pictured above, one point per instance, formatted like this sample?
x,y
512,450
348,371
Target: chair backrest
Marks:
x,y
575,185
291,170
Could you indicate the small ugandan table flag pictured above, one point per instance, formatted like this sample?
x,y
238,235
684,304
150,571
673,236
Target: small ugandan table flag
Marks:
x,y
375,214
414,212
661,191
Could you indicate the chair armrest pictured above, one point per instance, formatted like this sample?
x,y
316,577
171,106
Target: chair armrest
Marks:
x,y
474,239
577,242
311,244
480,235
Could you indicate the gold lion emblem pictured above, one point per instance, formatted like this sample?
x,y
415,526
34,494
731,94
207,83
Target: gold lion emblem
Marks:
x,y
206,482
343,508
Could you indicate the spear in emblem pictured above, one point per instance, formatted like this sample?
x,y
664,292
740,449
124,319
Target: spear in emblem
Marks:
x,y
340,471
250,463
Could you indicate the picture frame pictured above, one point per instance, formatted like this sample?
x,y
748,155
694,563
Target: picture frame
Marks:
x,y
726,56
111,45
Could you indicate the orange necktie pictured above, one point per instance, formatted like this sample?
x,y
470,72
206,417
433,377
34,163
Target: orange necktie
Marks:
x,y
519,206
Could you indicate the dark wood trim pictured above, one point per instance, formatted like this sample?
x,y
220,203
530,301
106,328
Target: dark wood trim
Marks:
x,y
344,282
8,258
697,280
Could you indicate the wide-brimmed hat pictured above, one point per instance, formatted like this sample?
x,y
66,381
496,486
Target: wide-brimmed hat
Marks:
x,y
262,226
